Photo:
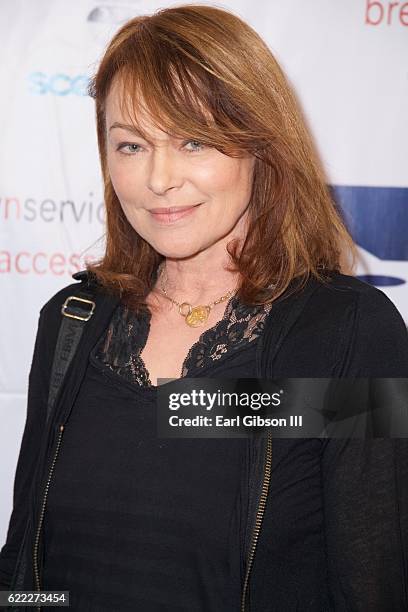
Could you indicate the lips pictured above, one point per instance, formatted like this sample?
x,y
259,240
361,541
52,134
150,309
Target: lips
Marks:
x,y
166,216
172,209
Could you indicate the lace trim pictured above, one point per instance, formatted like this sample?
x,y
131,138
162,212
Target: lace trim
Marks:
x,y
127,334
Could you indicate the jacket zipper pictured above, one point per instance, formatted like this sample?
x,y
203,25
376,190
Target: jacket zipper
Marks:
x,y
259,516
40,522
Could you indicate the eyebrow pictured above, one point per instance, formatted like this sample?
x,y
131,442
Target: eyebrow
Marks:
x,y
129,128
124,126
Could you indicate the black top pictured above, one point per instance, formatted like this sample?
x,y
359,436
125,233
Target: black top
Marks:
x,y
334,535
135,522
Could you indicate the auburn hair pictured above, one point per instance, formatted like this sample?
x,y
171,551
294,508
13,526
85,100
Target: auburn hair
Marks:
x,y
206,74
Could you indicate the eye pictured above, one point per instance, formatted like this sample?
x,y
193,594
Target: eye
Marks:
x,y
195,142
128,148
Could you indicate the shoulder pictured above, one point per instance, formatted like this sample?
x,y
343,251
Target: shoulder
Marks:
x,y
377,336
364,300
349,285
344,327
50,316
341,298
85,286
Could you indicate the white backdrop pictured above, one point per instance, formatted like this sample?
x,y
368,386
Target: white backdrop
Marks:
x,y
347,62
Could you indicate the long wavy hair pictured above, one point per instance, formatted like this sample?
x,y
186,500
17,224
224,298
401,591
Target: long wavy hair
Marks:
x,y
206,74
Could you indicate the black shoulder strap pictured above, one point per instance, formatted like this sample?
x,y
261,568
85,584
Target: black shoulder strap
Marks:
x,y
77,309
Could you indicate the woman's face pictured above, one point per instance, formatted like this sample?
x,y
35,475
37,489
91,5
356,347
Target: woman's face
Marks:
x,y
165,172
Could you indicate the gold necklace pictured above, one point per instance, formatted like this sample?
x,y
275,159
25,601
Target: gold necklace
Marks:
x,y
195,316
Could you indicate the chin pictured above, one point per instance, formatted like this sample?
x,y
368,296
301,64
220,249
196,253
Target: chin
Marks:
x,y
177,252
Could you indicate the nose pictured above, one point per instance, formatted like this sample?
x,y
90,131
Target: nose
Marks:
x,y
164,171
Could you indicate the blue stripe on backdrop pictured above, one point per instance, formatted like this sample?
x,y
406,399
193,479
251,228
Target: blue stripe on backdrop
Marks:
x,y
377,217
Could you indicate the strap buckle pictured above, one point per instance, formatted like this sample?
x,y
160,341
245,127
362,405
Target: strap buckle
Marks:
x,y
74,315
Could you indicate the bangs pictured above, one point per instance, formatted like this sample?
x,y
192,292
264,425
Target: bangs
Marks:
x,y
179,92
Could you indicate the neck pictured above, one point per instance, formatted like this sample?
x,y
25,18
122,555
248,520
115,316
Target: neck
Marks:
x,y
196,281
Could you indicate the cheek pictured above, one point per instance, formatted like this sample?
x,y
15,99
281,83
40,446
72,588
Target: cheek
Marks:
x,y
234,188
123,180
114,173
233,177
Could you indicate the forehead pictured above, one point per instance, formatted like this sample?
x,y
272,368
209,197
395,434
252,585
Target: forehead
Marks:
x,y
122,107
129,107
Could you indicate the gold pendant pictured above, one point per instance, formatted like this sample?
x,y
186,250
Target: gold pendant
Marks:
x,y
197,316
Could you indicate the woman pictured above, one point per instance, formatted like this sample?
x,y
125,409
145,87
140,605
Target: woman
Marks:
x,y
223,259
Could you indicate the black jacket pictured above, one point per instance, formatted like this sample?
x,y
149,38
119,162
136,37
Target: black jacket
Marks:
x,y
344,329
